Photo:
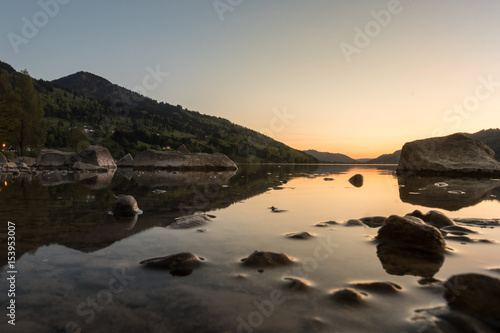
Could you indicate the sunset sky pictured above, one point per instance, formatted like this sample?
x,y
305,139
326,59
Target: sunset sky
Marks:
x,y
352,77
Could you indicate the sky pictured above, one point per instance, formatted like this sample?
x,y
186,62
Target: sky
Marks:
x,y
355,77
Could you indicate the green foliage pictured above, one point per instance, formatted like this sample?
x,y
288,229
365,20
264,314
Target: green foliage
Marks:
x,y
22,113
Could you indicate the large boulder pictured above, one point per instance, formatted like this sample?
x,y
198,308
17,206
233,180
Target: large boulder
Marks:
x,y
126,161
173,160
56,159
411,231
98,156
454,155
475,293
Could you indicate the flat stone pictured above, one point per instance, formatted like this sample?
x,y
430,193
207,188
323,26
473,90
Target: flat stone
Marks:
x,y
378,287
299,235
348,297
180,264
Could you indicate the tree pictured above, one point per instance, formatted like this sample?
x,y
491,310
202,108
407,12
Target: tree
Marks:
x,y
9,106
28,125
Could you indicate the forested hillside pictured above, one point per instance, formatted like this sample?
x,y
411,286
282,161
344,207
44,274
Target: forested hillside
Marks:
x,y
83,109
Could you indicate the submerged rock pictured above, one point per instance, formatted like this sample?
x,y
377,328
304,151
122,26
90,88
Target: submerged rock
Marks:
x,y
374,221
434,218
299,235
458,230
348,297
190,221
297,284
399,260
378,287
354,223
475,293
325,224
411,232
125,205
267,259
454,155
180,264
356,180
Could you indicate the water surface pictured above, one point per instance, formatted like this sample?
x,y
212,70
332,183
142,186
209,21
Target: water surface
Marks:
x,y
78,267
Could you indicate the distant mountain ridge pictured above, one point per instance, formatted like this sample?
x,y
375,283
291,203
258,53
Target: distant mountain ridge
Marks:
x,y
386,158
330,157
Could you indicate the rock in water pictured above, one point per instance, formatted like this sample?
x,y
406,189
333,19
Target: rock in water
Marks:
x,y
189,221
434,218
454,155
348,297
476,293
356,180
411,232
299,235
125,205
180,264
55,159
98,156
267,259
378,287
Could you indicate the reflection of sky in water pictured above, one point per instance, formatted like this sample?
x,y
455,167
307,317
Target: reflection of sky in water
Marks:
x,y
57,285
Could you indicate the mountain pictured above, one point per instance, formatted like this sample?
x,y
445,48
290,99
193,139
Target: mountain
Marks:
x,y
386,158
490,137
84,108
330,157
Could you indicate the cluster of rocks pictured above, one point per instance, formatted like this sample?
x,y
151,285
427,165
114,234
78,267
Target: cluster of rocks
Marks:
x,y
92,158
99,159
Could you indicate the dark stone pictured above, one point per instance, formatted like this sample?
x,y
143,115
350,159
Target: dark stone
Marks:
x,y
125,205
180,264
325,224
476,293
458,230
374,221
297,284
267,259
356,180
354,223
378,287
300,235
348,297
411,232
328,179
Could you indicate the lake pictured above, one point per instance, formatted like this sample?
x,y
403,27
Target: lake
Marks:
x,y
78,266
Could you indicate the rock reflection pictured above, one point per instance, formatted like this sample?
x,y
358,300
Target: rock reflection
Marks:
x,y
181,178
92,180
398,260
458,192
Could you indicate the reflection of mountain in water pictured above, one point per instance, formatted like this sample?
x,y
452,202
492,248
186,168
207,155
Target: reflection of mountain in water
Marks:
x,y
72,209
454,194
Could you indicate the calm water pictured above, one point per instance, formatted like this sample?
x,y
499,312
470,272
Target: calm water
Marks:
x,y
78,268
